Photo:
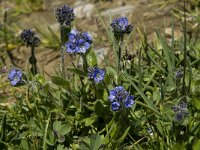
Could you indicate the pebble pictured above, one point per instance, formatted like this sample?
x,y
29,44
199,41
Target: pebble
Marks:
x,y
84,10
122,10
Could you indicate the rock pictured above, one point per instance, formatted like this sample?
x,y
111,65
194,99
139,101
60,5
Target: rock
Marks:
x,y
84,10
118,11
143,1
177,33
100,53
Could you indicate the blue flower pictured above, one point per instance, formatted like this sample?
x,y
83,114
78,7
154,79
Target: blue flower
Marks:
x,y
115,106
15,76
28,37
112,95
129,101
96,74
121,26
64,15
179,74
180,111
121,96
118,94
78,42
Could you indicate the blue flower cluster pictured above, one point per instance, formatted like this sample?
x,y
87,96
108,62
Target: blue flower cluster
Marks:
x,y
28,37
180,111
64,15
96,74
121,26
179,74
15,76
79,42
119,97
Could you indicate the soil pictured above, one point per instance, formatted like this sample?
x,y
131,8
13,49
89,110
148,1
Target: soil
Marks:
x,y
141,14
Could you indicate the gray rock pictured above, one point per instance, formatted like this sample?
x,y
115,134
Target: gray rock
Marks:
x,y
84,10
118,11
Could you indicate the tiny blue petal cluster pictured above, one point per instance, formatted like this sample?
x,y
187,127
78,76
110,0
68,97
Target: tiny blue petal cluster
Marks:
x,y
180,111
28,37
96,74
15,76
121,26
179,74
64,15
78,42
119,97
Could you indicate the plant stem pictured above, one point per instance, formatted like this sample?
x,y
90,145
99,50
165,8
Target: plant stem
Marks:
x,y
185,51
62,51
33,61
5,31
120,52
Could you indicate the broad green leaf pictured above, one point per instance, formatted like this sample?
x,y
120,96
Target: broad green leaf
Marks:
x,y
61,147
196,102
95,141
51,140
179,146
77,71
91,58
111,74
84,146
121,139
196,145
61,82
40,78
57,125
65,129
24,144
99,108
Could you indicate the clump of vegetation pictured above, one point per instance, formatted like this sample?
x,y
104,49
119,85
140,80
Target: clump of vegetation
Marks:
x,y
147,101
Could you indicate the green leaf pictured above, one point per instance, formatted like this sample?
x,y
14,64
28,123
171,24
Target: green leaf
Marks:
x,y
149,103
179,146
40,78
53,34
99,108
196,102
24,144
77,71
3,129
95,141
60,147
84,146
57,125
196,144
111,75
61,82
45,133
121,139
51,140
91,58
65,129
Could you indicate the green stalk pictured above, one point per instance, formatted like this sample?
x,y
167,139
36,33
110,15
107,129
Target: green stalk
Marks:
x,y
120,43
33,61
185,51
5,31
45,133
62,50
